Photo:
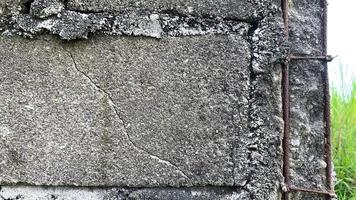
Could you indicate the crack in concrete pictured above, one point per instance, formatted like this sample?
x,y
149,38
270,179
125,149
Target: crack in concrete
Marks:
x,y
119,116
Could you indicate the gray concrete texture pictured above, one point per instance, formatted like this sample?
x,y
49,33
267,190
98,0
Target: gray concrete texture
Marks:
x,y
156,99
142,107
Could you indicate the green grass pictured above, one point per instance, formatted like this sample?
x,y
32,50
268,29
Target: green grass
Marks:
x,y
343,124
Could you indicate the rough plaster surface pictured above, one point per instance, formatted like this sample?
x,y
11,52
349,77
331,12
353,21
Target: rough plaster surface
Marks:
x,y
181,98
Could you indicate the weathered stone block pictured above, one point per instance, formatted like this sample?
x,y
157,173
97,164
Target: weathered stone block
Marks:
x,y
122,111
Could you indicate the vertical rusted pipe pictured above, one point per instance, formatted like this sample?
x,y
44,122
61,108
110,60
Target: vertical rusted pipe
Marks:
x,y
286,137
285,107
285,12
327,134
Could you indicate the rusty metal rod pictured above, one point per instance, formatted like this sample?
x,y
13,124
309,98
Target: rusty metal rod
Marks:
x,y
296,189
327,134
285,11
286,107
286,128
327,58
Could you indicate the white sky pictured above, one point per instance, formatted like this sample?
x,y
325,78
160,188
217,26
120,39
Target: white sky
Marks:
x,y
342,38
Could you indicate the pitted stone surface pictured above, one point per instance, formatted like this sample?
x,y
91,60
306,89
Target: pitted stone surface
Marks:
x,y
308,166
46,8
307,126
241,9
29,18
305,27
71,25
12,7
122,111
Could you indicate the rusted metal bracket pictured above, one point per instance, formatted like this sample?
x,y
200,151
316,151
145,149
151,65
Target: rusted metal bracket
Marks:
x,y
296,189
329,194
327,58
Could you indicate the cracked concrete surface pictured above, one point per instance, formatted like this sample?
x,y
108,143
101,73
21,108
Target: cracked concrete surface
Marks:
x,y
158,99
111,102
182,136
65,116
190,96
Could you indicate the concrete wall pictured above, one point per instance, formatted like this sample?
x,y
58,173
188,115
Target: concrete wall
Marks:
x,y
155,99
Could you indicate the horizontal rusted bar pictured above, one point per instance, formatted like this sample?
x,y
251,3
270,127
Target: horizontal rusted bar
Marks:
x,y
327,58
296,189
